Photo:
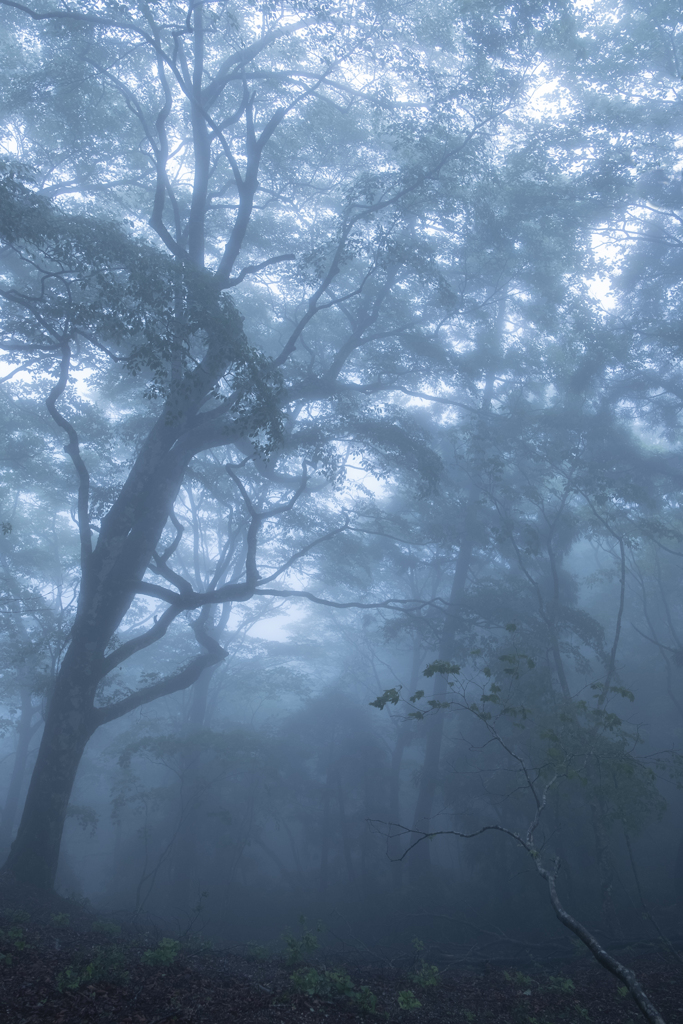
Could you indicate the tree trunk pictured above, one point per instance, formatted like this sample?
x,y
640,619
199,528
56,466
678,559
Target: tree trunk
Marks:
x,y
187,888
325,827
624,974
186,870
34,854
394,844
605,869
344,828
126,543
419,861
25,731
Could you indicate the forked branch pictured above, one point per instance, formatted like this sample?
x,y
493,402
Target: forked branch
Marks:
x,y
173,683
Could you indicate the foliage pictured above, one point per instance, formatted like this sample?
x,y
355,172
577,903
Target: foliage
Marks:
x,y
298,948
407,1000
405,354
561,984
163,955
425,976
331,986
108,928
15,937
583,742
108,965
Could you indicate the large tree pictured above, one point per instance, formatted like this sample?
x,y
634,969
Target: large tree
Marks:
x,y
180,151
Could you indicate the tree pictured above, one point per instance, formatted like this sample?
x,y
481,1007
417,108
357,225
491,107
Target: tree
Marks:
x,y
294,161
587,743
36,593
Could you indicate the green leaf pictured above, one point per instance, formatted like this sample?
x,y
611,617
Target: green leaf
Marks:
x,y
443,668
391,696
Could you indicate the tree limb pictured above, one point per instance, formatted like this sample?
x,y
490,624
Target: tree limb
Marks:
x,y
139,643
254,268
180,680
73,451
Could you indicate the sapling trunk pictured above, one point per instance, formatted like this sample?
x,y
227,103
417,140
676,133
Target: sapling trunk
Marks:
x,y
605,959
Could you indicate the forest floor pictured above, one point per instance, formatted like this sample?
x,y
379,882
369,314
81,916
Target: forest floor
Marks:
x,y
60,963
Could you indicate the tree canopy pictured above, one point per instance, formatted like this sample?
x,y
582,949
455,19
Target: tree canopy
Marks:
x,y
361,314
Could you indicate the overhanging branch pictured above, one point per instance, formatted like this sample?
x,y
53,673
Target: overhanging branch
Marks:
x,y
139,643
254,268
180,680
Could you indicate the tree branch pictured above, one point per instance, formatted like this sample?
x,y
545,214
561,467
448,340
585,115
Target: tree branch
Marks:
x,y
24,366
254,268
87,19
180,680
393,604
139,643
73,451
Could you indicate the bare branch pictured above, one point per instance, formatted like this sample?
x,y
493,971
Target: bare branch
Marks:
x,y
212,91
404,830
244,592
171,549
393,604
138,643
254,268
304,551
437,398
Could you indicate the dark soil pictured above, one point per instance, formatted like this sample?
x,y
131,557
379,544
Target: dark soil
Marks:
x,y
58,962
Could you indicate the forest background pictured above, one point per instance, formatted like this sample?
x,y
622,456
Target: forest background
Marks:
x,y
342,341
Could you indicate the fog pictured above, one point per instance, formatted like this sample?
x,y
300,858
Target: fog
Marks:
x,y
340,566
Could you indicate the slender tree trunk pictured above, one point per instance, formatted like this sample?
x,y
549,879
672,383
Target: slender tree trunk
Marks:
x,y
605,868
368,864
325,836
186,871
199,699
403,739
623,973
419,861
344,828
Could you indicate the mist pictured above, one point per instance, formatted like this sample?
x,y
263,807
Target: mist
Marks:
x,y
341,538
